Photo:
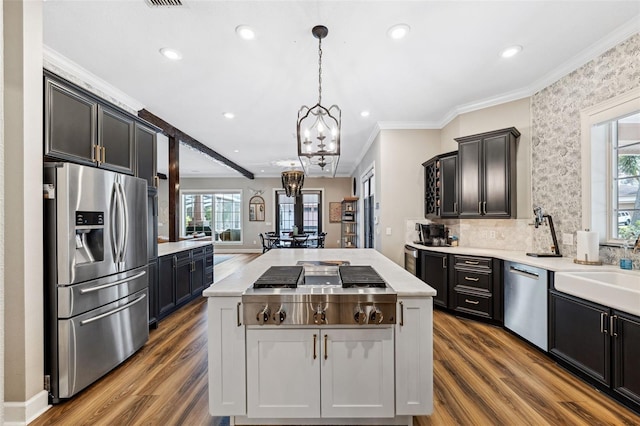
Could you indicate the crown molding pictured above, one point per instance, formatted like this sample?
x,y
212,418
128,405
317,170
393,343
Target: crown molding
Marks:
x,y
54,61
407,125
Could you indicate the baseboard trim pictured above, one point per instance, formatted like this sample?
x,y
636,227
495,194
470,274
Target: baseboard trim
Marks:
x,y
23,413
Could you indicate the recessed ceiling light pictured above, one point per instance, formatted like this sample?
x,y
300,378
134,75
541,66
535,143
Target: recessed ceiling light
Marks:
x,y
511,51
262,171
236,150
245,32
172,54
398,31
228,115
364,113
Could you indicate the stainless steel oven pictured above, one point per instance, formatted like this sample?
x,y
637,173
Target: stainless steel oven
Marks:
x,y
412,260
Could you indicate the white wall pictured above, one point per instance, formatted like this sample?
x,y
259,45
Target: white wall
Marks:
x,y
371,159
2,205
23,340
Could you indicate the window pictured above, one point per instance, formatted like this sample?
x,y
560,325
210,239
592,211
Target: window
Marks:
x,y
611,168
216,214
303,211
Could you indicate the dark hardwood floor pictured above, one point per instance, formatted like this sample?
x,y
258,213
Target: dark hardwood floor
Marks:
x,y
483,375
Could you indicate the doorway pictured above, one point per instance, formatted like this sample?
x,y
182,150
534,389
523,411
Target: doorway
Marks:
x,y
368,198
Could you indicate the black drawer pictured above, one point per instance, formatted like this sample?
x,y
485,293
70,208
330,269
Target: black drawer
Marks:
x,y
209,249
473,279
209,261
208,277
472,262
473,303
183,256
198,252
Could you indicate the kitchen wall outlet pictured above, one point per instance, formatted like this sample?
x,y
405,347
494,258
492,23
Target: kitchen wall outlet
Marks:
x,y
567,239
267,224
337,241
255,242
492,235
388,231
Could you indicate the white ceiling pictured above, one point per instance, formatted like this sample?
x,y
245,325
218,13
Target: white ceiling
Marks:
x,y
449,63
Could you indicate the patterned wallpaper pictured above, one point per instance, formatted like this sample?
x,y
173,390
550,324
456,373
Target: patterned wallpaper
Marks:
x,y
556,160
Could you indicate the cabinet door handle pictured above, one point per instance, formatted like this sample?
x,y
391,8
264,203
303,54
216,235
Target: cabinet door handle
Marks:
x,y
326,355
603,322
455,207
315,346
471,302
401,314
471,279
193,266
479,207
156,181
238,314
469,262
94,153
104,154
612,325
175,262
444,262
484,207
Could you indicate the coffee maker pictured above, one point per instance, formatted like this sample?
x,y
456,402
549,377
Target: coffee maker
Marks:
x,y
432,234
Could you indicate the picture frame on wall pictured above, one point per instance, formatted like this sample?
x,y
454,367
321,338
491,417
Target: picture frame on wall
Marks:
x,y
335,212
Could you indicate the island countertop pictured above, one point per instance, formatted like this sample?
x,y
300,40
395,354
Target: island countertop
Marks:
x,y
402,282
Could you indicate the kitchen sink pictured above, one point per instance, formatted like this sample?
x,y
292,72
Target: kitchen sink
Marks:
x,y
616,289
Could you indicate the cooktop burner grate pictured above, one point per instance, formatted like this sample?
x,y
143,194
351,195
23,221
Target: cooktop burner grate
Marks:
x,y
360,276
280,277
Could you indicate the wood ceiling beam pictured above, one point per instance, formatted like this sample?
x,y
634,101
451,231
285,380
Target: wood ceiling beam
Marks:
x,y
174,132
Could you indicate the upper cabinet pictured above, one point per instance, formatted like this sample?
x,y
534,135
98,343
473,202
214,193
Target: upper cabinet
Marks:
x,y
82,128
487,174
146,155
441,185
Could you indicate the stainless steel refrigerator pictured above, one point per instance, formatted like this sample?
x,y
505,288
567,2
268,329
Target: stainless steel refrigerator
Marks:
x,y
96,281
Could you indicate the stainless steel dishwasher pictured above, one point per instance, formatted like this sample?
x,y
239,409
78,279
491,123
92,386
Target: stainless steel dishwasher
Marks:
x,y
525,302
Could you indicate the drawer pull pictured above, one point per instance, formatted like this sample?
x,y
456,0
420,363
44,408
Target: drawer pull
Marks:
x,y
401,314
471,279
469,262
471,302
315,345
238,314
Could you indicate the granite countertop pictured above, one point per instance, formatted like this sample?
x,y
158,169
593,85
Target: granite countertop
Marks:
x,y
556,264
402,282
165,249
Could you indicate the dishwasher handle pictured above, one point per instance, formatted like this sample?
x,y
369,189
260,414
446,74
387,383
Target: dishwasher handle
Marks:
x,y
528,274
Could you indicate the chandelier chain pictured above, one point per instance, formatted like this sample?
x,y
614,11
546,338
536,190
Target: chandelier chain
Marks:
x,y
319,71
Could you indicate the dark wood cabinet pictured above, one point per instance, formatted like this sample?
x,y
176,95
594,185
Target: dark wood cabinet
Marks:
x,y
601,343
166,285
70,123
487,174
434,272
441,186
83,128
626,355
115,140
182,277
146,162
476,287
152,270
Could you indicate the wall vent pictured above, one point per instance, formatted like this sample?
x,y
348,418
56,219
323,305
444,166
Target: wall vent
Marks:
x,y
163,3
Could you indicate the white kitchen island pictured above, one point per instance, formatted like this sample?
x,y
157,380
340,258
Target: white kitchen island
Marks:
x,y
321,373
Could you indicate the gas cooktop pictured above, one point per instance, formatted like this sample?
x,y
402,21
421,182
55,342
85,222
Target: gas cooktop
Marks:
x,y
320,273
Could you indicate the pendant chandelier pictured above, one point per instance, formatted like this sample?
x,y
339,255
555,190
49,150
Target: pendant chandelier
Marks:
x,y
292,181
318,128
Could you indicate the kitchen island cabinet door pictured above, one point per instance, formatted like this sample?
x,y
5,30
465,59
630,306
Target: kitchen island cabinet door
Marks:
x,y
414,357
227,380
626,355
357,373
283,373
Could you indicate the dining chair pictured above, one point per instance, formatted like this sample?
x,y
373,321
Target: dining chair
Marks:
x,y
265,247
321,238
300,241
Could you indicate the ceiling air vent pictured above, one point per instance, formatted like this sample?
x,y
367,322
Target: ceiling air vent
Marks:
x,y
163,3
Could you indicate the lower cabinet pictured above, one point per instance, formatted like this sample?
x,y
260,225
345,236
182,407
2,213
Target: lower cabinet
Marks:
x,y
476,287
602,343
182,276
435,274
226,356
311,373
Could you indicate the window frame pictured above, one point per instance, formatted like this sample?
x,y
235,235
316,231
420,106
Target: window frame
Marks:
x,y
299,214
213,193
599,218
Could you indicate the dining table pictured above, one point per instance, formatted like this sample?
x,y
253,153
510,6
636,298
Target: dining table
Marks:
x,y
292,241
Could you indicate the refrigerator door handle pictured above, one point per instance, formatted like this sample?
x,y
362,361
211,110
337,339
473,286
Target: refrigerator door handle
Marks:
x,y
103,286
125,223
113,211
114,311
